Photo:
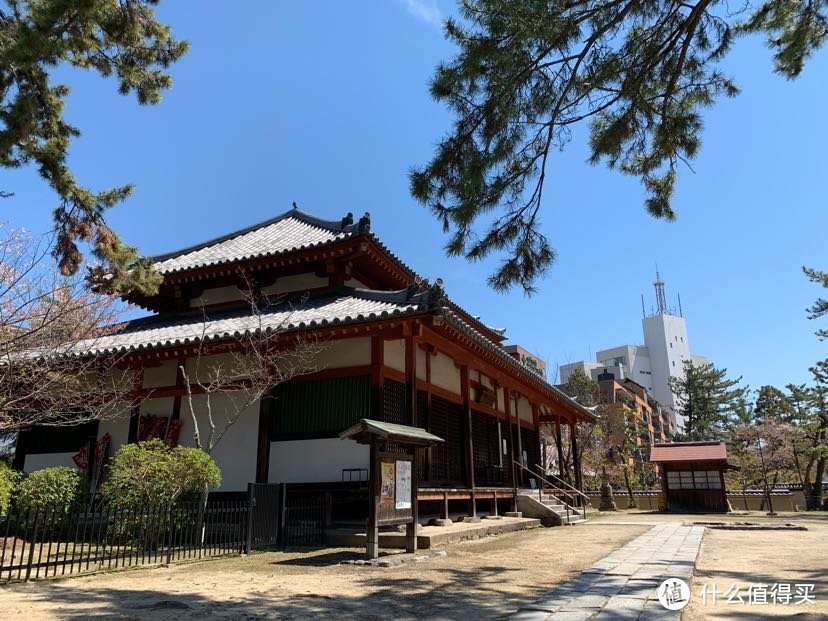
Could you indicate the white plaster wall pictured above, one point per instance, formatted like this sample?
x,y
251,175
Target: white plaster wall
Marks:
x,y
48,460
421,364
118,430
201,368
161,407
235,454
345,353
314,461
444,374
162,375
501,406
217,295
524,409
394,355
296,282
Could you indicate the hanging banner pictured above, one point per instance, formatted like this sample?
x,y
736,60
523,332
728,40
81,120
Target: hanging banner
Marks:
x,y
403,485
387,487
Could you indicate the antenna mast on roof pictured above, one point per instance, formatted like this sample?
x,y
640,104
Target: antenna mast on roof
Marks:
x,y
661,300
643,312
679,301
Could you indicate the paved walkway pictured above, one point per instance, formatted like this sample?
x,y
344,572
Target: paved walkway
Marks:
x,y
623,585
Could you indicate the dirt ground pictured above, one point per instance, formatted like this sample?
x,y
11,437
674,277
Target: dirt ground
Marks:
x,y
482,579
746,558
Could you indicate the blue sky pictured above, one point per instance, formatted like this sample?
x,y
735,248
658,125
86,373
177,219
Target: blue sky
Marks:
x,y
326,104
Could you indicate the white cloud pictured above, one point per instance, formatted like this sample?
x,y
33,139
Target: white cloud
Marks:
x,y
425,10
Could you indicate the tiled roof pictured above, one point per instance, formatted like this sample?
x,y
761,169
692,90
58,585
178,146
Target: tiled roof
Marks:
x,y
366,430
688,451
463,326
334,308
287,232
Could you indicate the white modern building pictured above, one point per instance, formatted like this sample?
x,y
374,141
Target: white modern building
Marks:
x,y
662,356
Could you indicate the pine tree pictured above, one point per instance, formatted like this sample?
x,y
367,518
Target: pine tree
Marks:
x,y
639,73
773,403
581,387
707,400
820,307
37,37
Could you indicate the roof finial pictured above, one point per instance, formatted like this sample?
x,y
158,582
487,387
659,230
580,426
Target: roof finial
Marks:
x,y
364,225
295,206
348,220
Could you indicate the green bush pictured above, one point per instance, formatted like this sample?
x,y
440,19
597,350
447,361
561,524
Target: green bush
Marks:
x,y
50,489
152,475
8,481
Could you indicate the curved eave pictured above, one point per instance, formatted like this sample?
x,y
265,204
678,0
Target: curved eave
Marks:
x,y
227,337
517,369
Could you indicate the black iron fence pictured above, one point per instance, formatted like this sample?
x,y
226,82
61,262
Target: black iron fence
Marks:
x,y
93,536
305,518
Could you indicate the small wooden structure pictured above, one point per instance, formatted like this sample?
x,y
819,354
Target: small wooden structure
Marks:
x,y
392,481
692,475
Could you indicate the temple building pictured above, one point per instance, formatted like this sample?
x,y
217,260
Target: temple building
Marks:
x,y
392,348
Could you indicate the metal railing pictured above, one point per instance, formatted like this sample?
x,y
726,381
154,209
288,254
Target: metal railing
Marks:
x,y
578,493
557,493
49,541
45,542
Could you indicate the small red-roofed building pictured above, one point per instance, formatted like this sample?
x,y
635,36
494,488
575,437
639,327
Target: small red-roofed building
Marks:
x,y
692,476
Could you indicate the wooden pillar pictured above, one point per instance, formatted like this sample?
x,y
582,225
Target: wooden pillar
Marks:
x,y
467,429
507,405
411,381
411,529
266,404
372,534
135,411
377,378
559,447
179,382
576,460
429,354
521,471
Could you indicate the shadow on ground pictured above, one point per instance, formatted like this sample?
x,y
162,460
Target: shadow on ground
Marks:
x,y
468,595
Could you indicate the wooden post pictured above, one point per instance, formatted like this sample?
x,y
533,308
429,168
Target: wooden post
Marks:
x,y
521,471
507,405
377,378
251,501
411,529
429,354
576,460
559,447
263,444
467,430
372,533
411,381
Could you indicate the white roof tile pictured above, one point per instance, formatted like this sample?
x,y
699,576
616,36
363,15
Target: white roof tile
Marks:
x,y
156,332
290,231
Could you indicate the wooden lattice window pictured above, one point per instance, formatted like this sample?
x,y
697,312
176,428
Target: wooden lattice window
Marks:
x,y
447,463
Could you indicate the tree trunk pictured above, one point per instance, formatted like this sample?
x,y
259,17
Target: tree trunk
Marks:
x,y
628,482
816,489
